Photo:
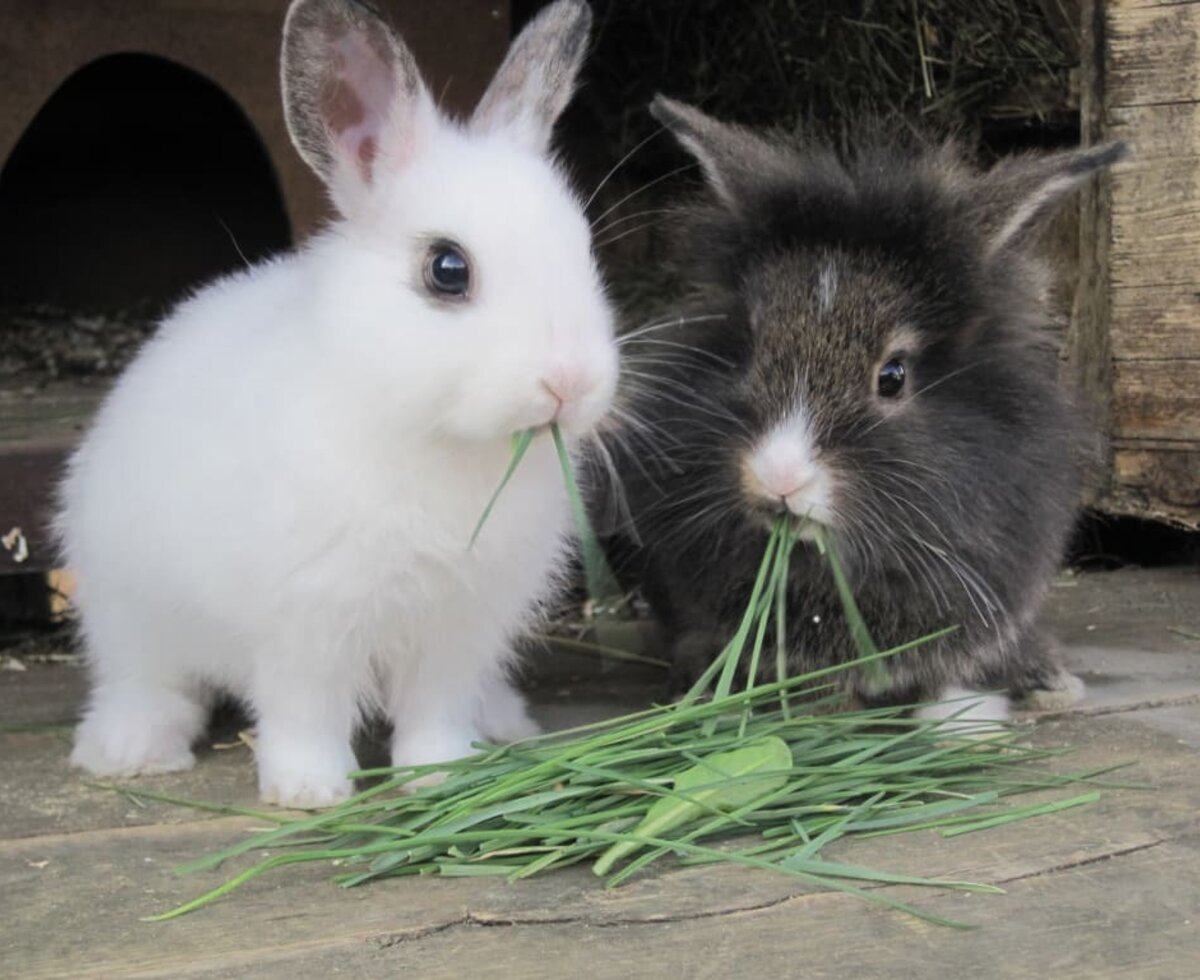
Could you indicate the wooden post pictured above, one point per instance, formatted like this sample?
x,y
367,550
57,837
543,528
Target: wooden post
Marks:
x,y
1135,340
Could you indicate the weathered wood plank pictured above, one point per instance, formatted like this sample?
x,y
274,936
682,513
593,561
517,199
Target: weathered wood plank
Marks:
x,y
1156,132
1143,930
53,417
37,430
1143,934
27,482
73,901
1156,400
1160,483
1155,224
1143,4
1155,322
1152,54
1087,347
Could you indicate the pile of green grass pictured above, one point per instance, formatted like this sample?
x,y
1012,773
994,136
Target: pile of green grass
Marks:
x,y
765,777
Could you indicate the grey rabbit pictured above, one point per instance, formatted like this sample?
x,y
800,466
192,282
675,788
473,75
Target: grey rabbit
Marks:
x,y
862,347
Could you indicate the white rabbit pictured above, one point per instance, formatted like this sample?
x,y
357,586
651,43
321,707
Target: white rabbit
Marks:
x,y
277,497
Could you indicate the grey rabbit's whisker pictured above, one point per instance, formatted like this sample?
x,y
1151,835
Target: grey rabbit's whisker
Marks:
x,y
672,361
595,443
626,218
618,165
706,409
638,430
674,321
642,426
641,190
637,229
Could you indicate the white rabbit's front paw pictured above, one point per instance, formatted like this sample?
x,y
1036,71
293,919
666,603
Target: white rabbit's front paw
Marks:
x,y
429,745
503,714
302,790
302,775
130,731
109,748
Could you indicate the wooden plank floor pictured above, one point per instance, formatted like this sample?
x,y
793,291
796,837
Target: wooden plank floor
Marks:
x,y
1108,890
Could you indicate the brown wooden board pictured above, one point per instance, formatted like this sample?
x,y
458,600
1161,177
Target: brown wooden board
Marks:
x,y
1156,222
1151,323
74,901
1161,481
1157,400
1152,53
1135,345
1106,890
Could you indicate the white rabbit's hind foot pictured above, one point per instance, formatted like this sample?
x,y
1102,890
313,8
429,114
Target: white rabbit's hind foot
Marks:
x,y
130,730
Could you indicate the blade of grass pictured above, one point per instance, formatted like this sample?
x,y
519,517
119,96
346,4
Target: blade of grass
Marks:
x,y
520,446
768,758
877,673
1022,814
599,650
601,583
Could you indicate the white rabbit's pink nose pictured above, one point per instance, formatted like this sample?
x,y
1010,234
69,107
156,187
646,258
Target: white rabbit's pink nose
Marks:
x,y
568,383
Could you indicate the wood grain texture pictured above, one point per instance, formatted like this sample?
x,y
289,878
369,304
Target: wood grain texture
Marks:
x,y
1146,4
38,429
1155,132
1140,292
1089,889
1156,322
74,899
1156,400
1161,481
1156,224
1151,54
1087,348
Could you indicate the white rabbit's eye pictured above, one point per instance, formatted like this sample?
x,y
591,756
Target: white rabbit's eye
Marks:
x,y
891,378
447,271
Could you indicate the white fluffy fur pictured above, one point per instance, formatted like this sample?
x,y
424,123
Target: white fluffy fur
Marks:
x,y
276,499
968,712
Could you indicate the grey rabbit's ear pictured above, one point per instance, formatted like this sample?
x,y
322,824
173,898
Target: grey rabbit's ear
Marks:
x,y
735,160
1020,193
353,97
537,78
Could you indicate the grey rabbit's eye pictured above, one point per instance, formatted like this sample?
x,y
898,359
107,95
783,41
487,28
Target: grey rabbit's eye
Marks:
x,y
447,271
891,378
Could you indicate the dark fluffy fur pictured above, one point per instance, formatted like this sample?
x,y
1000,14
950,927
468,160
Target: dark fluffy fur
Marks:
x,y
953,505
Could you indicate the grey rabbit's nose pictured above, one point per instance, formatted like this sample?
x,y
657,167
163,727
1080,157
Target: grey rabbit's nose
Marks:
x,y
781,483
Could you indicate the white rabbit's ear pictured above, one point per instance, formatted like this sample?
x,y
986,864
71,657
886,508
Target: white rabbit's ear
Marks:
x,y
735,160
537,79
1020,193
352,95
